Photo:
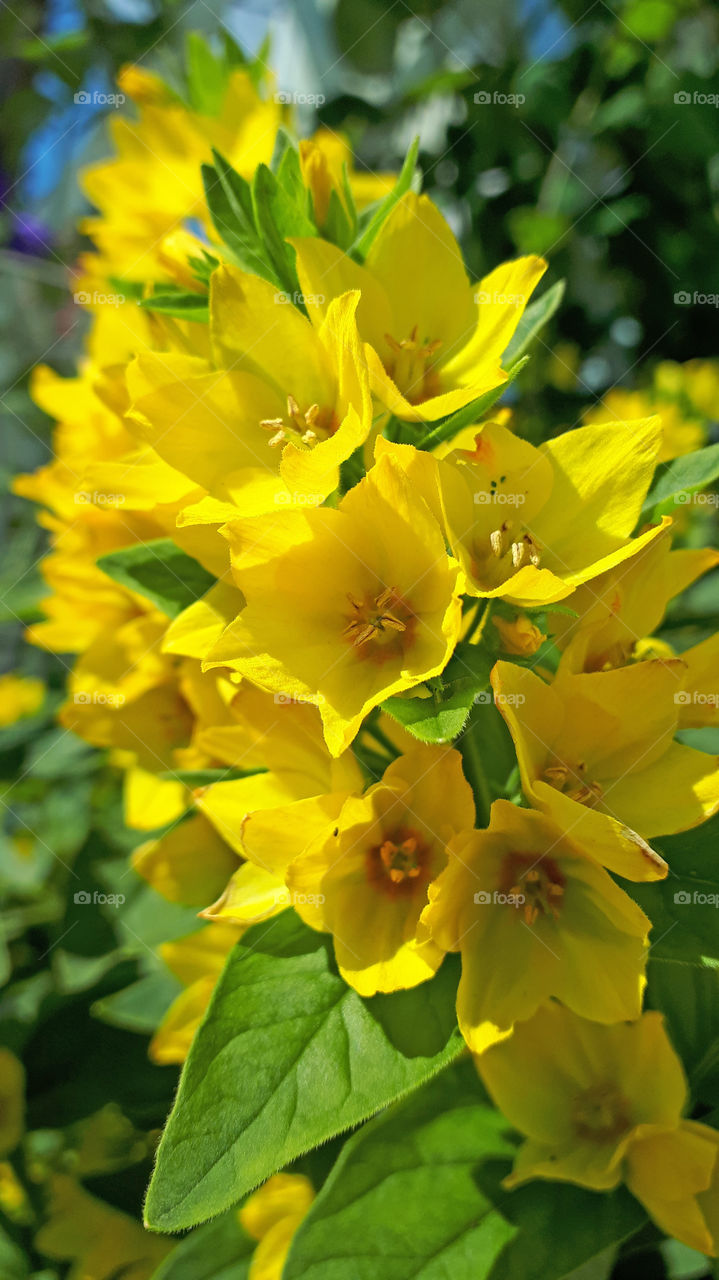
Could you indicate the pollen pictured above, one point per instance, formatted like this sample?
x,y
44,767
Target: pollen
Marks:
x,y
372,618
411,365
601,1113
571,781
298,426
398,866
534,887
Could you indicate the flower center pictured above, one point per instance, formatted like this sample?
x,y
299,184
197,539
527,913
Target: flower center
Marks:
x,y
534,887
571,781
300,427
601,1113
376,618
411,367
398,865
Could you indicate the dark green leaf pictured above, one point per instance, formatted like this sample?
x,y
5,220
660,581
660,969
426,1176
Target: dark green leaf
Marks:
x,y
287,1057
183,306
229,200
159,570
219,1251
684,908
443,713
682,477
418,1193
278,217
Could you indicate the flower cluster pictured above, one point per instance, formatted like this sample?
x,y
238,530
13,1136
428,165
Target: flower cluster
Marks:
x,y
320,590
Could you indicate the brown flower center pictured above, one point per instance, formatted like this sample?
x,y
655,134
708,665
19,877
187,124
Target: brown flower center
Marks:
x,y
601,1113
399,865
377,622
533,886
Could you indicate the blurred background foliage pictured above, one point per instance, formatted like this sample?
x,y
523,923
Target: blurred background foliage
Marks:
x,y
559,128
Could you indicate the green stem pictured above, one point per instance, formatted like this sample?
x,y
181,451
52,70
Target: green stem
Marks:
x,y
379,736
479,621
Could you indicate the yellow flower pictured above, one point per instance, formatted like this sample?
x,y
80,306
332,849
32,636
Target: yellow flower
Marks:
x,y
681,433
519,636
190,863
302,790
12,1101
345,606
596,752
434,342
19,696
99,1241
272,1215
197,960
366,880
534,916
154,183
322,158
270,422
618,610
603,1105
531,525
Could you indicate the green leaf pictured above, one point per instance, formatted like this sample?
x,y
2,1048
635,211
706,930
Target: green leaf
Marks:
x,y
688,996
684,908
229,200
278,216
681,477
219,1251
183,306
442,715
159,570
288,1056
471,412
206,75
418,1193
376,218
141,1006
534,318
